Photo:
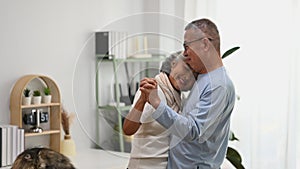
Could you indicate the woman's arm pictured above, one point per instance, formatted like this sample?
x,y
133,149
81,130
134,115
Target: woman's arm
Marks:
x,y
132,120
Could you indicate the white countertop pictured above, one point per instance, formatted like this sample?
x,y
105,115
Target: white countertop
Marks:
x,y
103,159
99,159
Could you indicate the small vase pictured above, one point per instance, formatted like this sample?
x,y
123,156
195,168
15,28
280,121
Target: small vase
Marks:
x,y
26,100
36,99
47,99
67,146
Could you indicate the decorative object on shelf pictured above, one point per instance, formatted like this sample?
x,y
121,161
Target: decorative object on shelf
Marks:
x,y
42,158
67,144
47,95
37,98
35,118
29,119
140,48
26,99
36,123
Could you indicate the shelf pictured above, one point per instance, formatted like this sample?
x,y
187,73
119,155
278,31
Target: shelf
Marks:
x,y
121,108
40,105
43,133
116,63
17,109
155,58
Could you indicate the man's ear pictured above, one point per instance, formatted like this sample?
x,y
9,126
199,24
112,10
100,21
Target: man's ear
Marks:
x,y
206,44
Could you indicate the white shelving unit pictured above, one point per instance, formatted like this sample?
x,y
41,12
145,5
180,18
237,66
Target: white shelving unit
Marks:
x,y
118,107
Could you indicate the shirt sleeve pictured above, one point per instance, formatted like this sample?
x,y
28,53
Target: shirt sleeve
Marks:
x,y
200,122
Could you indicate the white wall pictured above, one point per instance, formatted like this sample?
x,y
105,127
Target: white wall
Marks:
x,y
55,38
48,37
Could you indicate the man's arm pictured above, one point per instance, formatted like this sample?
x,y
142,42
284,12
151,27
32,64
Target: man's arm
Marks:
x,y
191,126
196,124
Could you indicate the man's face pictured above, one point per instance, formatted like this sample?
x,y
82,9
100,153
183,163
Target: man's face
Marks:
x,y
181,76
192,50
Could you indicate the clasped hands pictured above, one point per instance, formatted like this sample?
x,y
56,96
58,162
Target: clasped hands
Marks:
x,y
148,87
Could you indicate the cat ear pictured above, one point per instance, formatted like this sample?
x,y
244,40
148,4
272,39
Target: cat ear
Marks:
x,y
27,157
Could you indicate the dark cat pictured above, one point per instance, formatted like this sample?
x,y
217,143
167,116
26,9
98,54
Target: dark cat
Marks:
x,y
42,158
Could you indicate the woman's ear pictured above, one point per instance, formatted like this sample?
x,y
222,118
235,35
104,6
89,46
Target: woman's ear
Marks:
x,y
173,63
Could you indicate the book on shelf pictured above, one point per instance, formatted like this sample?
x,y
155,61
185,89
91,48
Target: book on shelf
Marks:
x,y
111,44
9,143
22,141
3,133
12,143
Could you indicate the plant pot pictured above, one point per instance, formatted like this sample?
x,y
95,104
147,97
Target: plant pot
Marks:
x,y
47,99
36,99
26,100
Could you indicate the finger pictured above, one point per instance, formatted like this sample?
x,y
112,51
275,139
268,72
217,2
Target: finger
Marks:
x,y
143,90
149,86
148,80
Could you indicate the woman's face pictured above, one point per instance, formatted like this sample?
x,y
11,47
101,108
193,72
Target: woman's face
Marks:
x,y
181,76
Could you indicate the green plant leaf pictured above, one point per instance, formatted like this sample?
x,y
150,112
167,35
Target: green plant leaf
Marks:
x,y
232,137
26,92
47,91
234,158
230,51
36,93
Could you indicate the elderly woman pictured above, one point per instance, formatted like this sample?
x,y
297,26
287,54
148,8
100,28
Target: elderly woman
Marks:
x,y
150,144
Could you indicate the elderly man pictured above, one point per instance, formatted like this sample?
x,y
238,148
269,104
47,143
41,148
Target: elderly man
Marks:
x,y
200,134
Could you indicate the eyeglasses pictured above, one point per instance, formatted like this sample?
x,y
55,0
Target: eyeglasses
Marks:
x,y
186,44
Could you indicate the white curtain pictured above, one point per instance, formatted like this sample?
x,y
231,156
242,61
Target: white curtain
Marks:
x,y
265,71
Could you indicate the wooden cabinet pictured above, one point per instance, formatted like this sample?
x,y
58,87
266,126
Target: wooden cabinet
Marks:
x,y
54,109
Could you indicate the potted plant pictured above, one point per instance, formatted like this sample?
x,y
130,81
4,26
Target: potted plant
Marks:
x,y
26,99
47,95
232,155
37,98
